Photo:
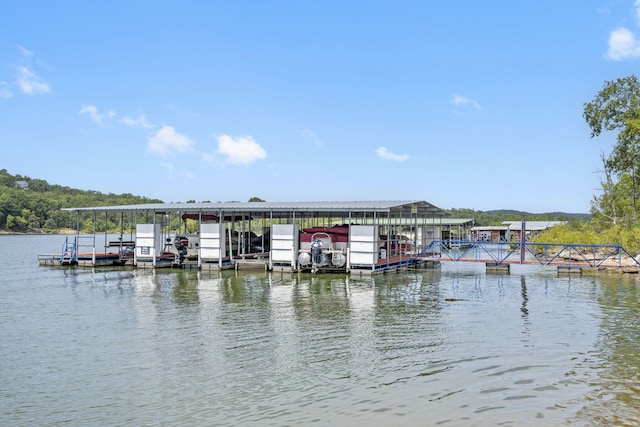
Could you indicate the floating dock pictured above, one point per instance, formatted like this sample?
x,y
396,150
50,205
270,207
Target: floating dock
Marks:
x,y
352,237
497,267
568,269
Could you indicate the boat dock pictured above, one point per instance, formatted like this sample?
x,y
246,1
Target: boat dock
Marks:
x,y
360,238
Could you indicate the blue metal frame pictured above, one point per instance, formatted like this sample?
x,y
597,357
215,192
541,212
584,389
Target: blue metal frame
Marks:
x,y
69,251
500,252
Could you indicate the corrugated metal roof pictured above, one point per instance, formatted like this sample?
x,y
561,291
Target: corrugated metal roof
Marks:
x,y
435,221
395,208
533,225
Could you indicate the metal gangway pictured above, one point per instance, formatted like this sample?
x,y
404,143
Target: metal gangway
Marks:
x,y
525,252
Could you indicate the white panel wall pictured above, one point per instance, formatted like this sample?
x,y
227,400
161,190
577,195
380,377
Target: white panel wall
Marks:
x,y
212,242
284,243
148,241
363,245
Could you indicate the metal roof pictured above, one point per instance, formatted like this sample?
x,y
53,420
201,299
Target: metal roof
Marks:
x,y
432,221
533,225
394,208
517,225
449,221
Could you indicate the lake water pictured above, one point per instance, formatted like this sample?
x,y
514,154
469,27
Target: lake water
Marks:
x,y
454,346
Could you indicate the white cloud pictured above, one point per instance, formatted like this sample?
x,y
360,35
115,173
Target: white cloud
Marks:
x,y
102,118
24,51
241,150
30,83
623,44
463,101
140,121
385,154
311,136
26,79
92,112
167,140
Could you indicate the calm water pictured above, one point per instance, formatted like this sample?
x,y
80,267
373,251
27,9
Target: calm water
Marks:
x,y
453,347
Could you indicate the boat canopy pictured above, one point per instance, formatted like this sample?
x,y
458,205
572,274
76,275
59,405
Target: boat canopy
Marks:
x,y
386,209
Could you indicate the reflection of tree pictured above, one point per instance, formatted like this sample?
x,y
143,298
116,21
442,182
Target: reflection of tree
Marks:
x,y
408,317
322,296
245,288
408,288
615,399
245,333
185,290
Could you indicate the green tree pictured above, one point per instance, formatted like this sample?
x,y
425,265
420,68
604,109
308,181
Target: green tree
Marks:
x,y
39,206
617,108
17,223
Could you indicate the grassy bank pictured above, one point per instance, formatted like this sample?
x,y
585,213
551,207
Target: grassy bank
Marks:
x,y
590,233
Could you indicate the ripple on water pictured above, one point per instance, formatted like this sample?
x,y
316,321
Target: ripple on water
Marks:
x,y
123,347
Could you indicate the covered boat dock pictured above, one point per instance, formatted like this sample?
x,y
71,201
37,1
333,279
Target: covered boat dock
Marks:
x,y
362,237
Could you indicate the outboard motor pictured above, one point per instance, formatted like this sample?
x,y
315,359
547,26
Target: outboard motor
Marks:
x,y
316,252
181,243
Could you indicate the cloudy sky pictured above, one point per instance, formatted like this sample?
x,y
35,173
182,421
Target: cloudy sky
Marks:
x,y
462,104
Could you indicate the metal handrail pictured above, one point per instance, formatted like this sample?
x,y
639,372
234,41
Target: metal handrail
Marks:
x,y
593,255
69,251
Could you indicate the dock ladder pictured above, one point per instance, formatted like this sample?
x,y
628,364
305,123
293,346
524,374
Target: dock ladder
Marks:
x,y
69,251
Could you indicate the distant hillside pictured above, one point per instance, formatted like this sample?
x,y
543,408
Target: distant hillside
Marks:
x,y
553,214
31,205
496,217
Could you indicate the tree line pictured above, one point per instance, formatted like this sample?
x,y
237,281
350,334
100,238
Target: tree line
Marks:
x,y
497,217
34,205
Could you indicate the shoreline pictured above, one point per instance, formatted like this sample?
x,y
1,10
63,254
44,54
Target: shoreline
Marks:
x,y
64,231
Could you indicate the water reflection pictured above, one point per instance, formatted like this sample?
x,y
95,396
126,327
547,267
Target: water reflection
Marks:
x,y
185,290
614,367
453,346
524,309
209,282
245,288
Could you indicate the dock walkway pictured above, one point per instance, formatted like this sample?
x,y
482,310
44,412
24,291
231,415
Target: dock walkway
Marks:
x,y
565,256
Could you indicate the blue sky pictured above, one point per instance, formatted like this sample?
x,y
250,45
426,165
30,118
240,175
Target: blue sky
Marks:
x,y
462,104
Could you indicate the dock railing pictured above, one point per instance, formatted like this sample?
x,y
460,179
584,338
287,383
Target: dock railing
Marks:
x,y
570,254
69,253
